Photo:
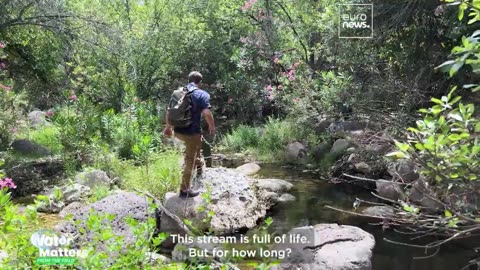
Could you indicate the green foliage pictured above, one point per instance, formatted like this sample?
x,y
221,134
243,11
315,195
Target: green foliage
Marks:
x,y
11,106
268,141
275,135
16,229
445,143
241,138
163,175
98,193
46,136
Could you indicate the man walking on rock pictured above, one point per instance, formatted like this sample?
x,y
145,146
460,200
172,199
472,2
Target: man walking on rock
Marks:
x,y
191,135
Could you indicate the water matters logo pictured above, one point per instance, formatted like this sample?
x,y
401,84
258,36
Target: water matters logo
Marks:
x,y
55,249
356,21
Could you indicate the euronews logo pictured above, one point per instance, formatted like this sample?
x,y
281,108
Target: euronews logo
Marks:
x,y
55,249
356,21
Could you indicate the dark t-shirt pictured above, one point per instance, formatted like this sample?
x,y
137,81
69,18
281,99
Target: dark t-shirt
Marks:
x,y
200,102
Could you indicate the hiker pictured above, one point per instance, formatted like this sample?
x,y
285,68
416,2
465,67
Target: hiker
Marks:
x,y
185,109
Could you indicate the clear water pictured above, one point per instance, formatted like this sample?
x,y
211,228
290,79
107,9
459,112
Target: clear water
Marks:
x,y
313,194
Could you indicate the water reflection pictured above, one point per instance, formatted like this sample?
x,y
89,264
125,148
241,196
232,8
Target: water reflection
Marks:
x,y
313,194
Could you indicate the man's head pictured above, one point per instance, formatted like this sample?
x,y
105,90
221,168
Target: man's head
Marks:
x,y
195,77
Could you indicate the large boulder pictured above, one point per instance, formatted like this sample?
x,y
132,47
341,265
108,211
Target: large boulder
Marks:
x,y
339,146
330,246
234,203
405,170
71,209
36,118
232,161
389,190
65,195
274,190
296,153
322,124
346,126
248,169
379,211
93,179
422,194
273,185
121,205
29,148
35,176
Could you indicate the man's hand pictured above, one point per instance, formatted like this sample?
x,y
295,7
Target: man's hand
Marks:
x,y
168,131
209,118
211,130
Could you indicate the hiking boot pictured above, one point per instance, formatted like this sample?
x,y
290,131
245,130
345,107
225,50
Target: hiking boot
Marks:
x,y
188,194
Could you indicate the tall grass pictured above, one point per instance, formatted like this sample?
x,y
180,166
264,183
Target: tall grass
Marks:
x,y
242,138
46,136
163,174
267,142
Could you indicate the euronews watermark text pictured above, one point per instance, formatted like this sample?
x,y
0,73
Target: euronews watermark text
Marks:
x,y
356,21
55,249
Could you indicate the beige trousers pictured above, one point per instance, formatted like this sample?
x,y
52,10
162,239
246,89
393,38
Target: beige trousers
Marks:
x,y
193,159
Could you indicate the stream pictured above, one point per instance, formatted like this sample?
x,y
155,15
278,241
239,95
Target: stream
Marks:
x,y
312,194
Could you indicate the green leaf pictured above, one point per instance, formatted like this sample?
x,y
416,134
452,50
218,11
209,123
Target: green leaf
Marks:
x,y
419,146
448,214
436,100
455,68
455,116
445,66
455,100
461,10
402,146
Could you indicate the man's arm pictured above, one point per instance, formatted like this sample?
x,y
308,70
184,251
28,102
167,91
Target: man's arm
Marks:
x,y
209,118
168,128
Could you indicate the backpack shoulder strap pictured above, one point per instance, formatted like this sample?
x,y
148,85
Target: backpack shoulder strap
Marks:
x,y
191,91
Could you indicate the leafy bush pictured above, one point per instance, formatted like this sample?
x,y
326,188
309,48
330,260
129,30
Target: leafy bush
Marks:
x,y
161,174
11,105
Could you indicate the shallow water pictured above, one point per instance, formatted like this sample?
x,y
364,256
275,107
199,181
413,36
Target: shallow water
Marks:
x,y
313,194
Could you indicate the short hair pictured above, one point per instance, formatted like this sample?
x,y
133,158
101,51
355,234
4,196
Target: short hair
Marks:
x,y
195,77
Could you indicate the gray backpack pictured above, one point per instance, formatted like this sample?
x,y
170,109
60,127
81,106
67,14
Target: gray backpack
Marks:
x,y
180,108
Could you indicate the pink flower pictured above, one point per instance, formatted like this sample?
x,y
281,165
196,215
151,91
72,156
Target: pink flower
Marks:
x,y
268,88
2,45
270,96
248,5
7,183
296,100
13,130
275,60
280,87
5,87
49,113
10,183
296,65
243,40
230,100
73,97
291,75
